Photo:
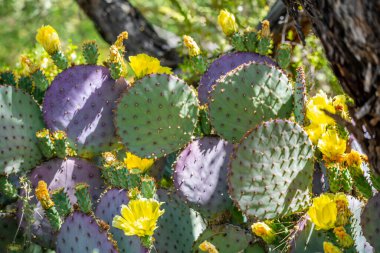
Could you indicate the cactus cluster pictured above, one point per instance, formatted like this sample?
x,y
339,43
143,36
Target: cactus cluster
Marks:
x,y
128,157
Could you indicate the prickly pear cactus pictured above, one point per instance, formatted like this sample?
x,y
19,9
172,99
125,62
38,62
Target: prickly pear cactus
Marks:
x,y
8,230
58,173
80,101
271,170
82,233
108,206
20,119
370,223
246,96
222,66
156,116
178,227
226,238
305,238
200,175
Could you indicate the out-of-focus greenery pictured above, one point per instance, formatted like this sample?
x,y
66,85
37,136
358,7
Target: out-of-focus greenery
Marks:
x,y
20,19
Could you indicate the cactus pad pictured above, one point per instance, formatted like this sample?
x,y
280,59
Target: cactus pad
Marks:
x,y
247,96
305,238
178,227
156,116
8,230
200,175
80,101
356,208
370,221
109,205
20,119
81,233
59,173
222,66
271,170
226,239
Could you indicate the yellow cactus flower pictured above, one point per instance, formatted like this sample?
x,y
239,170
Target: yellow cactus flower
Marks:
x,y
134,162
119,43
262,230
328,247
315,131
42,194
48,37
265,29
115,56
340,105
143,64
29,64
323,212
191,45
226,21
343,212
139,217
315,107
207,246
332,145
344,239
354,158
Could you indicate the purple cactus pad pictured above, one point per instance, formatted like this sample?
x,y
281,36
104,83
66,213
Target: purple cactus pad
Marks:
x,y
222,66
200,175
109,205
59,173
81,233
80,101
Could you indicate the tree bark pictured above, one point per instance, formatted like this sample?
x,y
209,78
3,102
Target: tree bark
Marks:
x,y
112,17
350,33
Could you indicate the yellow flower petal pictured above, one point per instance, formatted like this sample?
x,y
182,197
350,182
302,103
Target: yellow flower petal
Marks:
x,y
331,145
49,39
323,212
315,107
143,65
134,162
227,22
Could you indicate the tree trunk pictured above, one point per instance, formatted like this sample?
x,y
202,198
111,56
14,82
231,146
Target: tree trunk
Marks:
x,y
112,17
350,33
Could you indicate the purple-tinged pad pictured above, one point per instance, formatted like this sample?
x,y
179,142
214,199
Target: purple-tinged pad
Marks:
x,y
80,101
81,233
200,175
222,66
109,205
59,173
178,227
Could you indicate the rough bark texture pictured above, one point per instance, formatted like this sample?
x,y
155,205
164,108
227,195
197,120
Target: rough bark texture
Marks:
x,y
350,33
112,17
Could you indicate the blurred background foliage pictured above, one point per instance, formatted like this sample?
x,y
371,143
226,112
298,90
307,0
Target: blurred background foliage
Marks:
x,y
20,19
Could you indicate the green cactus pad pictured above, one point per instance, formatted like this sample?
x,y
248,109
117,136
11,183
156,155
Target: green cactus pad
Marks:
x,y
225,238
361,244
247,96
20,119
305,238
370,222
271,170
178,227
156,116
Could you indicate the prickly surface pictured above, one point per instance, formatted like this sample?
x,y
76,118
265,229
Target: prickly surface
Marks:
x,y
200,175
370,222
226,239
59,173
81,233
178,227
361,244
156,116
305,238
246,96
8,228
300,97
222,66
109,205
271,170
80,101
20,119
